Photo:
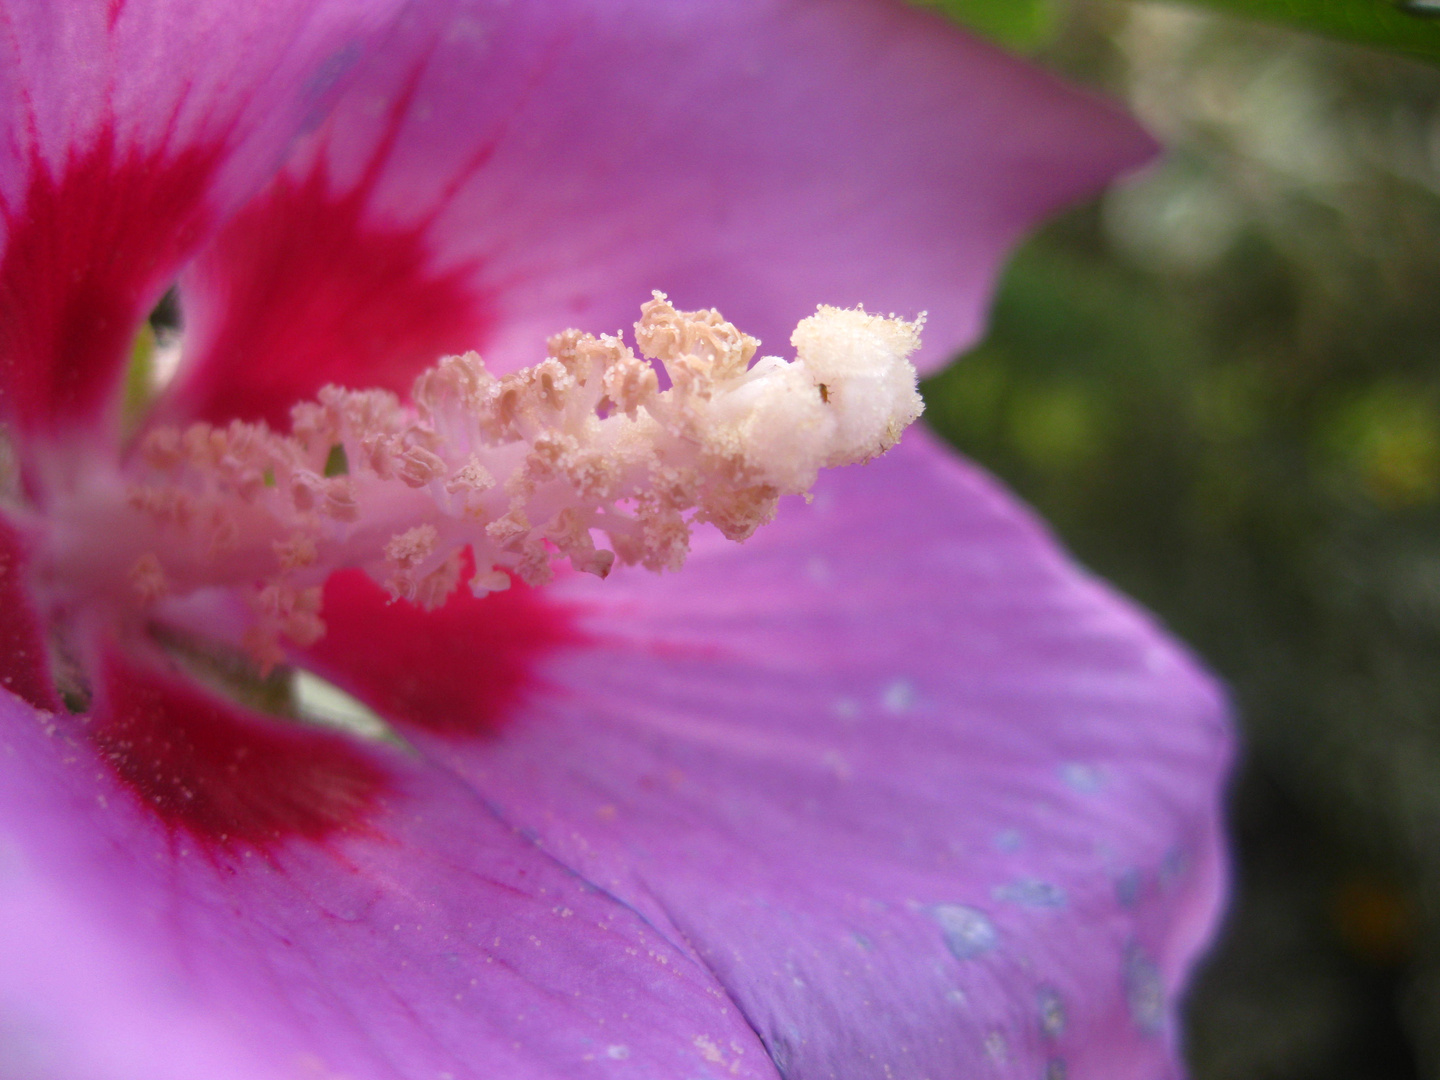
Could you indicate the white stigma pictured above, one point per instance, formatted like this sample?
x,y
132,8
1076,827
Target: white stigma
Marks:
x,y
523,469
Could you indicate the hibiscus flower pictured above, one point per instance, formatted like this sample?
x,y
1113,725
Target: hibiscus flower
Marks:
x,y
891,789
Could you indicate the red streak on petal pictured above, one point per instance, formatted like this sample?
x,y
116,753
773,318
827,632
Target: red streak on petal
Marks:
x,y
459,670
309,294
88,254
227,777
24,669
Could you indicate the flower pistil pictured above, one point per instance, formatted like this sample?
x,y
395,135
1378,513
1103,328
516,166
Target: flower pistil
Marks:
x,y
521,469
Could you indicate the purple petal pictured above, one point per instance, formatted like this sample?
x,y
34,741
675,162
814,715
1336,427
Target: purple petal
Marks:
x,y
511,169
929,801
427,939
128,130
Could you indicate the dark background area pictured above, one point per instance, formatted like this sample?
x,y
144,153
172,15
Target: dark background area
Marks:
x,y
1221,386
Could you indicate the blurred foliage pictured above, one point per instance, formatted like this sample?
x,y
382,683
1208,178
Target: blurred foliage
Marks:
x,y
1409,26
1222,387
1405,25
1019,24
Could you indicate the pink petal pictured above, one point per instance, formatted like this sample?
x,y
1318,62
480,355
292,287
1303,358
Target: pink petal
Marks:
x,y
510,169
929,801
423,938
128,130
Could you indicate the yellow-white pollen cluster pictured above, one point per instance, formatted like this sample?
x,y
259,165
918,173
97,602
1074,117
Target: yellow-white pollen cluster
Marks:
x,y
522,469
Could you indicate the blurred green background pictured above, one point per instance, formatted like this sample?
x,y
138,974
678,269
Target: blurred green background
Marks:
x,y
1221,385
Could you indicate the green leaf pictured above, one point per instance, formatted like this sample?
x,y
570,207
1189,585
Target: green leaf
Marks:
x,y
1024,25
1410,26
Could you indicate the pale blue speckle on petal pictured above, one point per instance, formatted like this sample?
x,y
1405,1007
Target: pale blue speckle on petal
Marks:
x,y
968,931
1173,867
899,696
1086,779
1144,990
1030,892
1052,1013
1008,841
996,1048
1127,887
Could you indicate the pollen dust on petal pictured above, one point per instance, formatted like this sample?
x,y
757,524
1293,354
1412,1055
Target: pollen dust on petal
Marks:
x,y
227,777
